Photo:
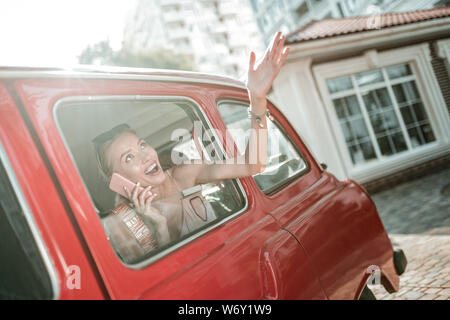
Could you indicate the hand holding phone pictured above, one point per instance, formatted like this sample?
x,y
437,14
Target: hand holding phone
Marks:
x,y
118,183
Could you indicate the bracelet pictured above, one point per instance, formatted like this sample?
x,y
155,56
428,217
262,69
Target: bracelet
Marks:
x,y
258,118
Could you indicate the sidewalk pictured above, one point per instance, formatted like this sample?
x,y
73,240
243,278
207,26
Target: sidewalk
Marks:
x,y
417,217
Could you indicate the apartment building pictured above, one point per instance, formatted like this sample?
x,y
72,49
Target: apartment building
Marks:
x,y
218,34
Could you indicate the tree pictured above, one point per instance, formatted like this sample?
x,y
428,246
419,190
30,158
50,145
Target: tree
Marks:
x,y
102,53
99,53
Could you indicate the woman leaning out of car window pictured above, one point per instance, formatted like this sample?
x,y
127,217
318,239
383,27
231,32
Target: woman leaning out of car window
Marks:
x,y
139,223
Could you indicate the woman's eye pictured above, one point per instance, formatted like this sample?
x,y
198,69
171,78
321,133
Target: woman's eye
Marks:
x,y
128,158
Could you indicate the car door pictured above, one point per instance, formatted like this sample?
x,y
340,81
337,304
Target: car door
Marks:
x,y
43,245
289,167
235,258
335,222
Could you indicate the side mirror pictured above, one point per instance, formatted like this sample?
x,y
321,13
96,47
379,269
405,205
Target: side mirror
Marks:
x,y
324,166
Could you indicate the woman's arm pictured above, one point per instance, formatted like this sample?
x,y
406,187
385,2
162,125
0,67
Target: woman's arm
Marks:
x,y
259,81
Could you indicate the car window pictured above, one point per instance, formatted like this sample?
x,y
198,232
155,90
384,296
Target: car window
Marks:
x,y
178,131
23,274
284,160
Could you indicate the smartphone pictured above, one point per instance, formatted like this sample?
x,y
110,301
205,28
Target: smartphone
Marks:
x,y
118,182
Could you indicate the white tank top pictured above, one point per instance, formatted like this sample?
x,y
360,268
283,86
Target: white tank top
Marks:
x,y
196,210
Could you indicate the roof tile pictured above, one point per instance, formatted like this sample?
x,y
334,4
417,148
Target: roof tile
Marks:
x,y
318,29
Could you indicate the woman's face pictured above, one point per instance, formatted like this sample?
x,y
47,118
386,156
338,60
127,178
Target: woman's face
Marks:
x,y
134,159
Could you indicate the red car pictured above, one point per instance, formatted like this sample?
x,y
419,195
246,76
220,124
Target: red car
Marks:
x,y
291,232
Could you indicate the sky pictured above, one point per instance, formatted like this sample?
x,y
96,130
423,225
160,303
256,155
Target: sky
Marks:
x,y
55,32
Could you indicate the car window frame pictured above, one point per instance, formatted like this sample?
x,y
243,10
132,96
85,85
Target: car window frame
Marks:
x,y
31,224
277,188
65,101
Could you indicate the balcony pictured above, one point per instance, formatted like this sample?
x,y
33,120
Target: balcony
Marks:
x,y
218,28
173,16
227,9
179,34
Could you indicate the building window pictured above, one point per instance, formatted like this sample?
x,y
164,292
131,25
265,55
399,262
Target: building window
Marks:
x,y
380,113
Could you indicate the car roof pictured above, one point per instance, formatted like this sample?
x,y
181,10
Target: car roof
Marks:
x,y
113,72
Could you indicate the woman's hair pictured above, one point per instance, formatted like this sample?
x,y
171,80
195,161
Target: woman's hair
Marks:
x,y
101,144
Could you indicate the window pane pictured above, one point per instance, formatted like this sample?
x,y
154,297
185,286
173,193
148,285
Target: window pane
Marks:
x,y
377,99
410,90
398,71
340,108
356,154
407,115
359,129
415,137
385,147
362,152
339,84
354,129
346,129
352,105
419,112
347,106
370,101
284,160
378,123
383,121
413,113
369,77
383,98
22,272
368,151
399,93
427,133
390,119
399,142
169,133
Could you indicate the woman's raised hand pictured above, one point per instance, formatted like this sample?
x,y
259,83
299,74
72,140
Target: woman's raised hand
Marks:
x,y
262,74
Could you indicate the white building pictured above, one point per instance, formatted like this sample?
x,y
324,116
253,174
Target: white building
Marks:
x,y
371,95
288,15
218,34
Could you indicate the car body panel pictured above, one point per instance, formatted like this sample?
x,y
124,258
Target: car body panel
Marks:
x,y
49,213
343,237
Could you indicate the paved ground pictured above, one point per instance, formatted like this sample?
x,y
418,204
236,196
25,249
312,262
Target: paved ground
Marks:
x,y
417,217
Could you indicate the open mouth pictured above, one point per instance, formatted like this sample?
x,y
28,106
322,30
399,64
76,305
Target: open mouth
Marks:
x,y
153,169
